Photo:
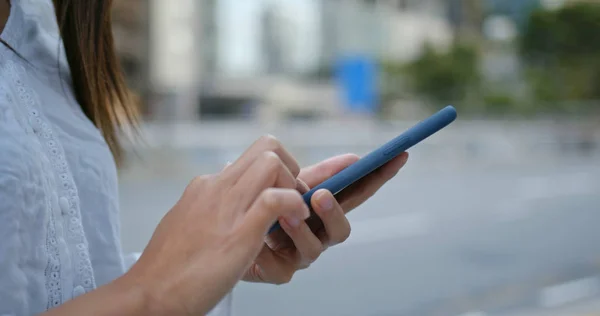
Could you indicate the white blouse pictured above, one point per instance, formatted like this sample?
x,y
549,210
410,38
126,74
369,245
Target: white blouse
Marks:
x,y
59,204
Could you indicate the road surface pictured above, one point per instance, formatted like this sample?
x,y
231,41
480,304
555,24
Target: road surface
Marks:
x,y
446,237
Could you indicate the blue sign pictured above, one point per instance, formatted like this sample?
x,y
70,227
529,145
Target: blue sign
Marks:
x,y
357,79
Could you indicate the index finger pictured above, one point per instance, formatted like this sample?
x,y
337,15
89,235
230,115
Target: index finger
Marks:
x,y
317,173
263,144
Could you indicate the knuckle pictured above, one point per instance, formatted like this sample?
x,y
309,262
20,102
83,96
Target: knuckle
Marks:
x,y
270,142
199,180
197,185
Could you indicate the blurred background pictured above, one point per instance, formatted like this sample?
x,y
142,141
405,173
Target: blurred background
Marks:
x,y
498,214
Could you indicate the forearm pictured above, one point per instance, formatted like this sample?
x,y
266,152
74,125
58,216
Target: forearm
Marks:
x,y
120,297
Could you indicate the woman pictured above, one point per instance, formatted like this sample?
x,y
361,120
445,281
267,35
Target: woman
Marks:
x,y
62,104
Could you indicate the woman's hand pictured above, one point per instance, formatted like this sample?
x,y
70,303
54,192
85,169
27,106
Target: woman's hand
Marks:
x,y
207,242
359,192
301,243
215,234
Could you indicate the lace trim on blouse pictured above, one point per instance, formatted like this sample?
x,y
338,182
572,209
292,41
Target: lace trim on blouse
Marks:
x,y
68,199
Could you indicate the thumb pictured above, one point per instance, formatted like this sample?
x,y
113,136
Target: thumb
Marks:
x,y
271,205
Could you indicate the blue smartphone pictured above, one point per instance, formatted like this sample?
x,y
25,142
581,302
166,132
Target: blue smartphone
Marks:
x,y
382,155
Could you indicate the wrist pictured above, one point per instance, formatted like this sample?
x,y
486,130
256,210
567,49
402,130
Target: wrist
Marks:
x,y
146,299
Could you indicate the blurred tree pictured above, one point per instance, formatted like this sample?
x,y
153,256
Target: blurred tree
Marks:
x,y
443,77
518,10
561,49
501,102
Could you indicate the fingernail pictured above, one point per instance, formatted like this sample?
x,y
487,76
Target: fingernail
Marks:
x,y
292,221
305,212
325,201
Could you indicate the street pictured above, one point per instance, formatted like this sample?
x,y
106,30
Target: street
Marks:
x,y
442,238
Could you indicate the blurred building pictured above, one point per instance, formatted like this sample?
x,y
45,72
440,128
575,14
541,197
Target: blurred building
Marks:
x,y
277,85
276,34
207,59
389,29
209,30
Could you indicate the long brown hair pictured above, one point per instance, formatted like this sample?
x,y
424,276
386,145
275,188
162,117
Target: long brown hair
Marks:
x,y
98,81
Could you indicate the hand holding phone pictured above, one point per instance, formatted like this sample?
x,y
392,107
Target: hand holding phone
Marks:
x,y
383,154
